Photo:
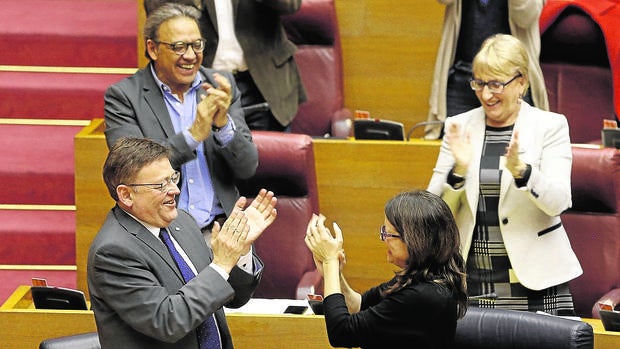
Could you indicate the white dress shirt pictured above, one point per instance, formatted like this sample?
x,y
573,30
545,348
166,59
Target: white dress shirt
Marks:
x,y
229,54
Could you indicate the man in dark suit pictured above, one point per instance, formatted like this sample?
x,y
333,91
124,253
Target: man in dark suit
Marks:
x,y
139,290
194,110
247,38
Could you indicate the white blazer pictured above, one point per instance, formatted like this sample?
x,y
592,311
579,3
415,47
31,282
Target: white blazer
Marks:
x,y
529,217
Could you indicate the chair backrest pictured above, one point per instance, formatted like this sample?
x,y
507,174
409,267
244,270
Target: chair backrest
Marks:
x,y
499,328
577,73
314,29
88,340
286,167
593,224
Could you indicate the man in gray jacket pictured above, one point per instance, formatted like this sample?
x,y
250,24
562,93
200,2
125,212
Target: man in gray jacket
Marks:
x,y
193,110
153,281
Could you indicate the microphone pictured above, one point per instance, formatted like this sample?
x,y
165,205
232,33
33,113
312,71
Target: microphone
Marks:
x,y
423,123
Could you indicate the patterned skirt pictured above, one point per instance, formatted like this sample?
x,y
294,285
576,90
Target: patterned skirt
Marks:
x,y
491,282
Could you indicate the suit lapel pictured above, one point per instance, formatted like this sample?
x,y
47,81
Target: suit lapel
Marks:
x,y
141,233
154,99
195,250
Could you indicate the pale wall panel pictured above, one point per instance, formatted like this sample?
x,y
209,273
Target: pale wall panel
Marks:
x,y
389,50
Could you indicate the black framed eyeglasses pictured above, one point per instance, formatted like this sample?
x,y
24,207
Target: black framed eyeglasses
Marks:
x,y
384,234
163,186
180,47
493,85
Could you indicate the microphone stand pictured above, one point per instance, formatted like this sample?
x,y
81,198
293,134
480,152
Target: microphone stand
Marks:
x,y
423,123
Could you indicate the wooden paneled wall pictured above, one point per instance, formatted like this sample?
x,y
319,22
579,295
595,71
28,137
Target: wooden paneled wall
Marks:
x,y
389,50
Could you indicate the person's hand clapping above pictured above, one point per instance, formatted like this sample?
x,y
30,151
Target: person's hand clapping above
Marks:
x,y
229,241
324,245
513,162
461,148
260,214
212,110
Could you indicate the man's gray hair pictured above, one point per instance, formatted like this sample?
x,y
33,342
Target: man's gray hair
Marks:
x,y
162,14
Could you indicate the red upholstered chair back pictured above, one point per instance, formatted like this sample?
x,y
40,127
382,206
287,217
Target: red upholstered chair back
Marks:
x,y
593,224
314,29
577,74
286,167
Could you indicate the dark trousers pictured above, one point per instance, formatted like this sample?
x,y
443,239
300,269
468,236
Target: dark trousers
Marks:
x,y
460,97
258,116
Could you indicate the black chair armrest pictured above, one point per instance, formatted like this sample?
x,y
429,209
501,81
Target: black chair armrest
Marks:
x,y
498,328
88,340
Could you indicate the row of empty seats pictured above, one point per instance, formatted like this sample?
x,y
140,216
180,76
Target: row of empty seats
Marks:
x,y
58,57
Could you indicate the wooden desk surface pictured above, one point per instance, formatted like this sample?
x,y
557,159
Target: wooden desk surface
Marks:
x,y
603,339
22,326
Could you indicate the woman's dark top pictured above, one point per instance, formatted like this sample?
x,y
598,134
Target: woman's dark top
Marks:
x,y
419,316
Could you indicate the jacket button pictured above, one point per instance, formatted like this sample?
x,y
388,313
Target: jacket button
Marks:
x,y
504,221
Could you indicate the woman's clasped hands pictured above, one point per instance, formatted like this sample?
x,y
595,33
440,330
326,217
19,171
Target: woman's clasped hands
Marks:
x,y
326,246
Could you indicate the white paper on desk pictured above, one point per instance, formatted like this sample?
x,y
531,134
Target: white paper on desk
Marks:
x,y
268,306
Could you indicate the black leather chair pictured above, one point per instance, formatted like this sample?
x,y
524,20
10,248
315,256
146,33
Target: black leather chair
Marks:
x,y
88,340
498,328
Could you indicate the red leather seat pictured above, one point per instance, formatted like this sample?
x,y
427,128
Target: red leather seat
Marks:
x,y
593,225
286,167
314,29
578,62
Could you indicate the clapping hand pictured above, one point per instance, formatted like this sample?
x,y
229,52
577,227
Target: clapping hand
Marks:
x,y
221,97
513,162
228,242
323,244
258,216
261,213
212,110
460,146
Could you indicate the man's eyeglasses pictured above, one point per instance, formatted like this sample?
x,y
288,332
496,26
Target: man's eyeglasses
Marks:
x,y
180,47
493,85
163,186
384,234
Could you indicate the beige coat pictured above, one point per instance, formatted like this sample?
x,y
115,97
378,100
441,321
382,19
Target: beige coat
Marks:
x,y
523,18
